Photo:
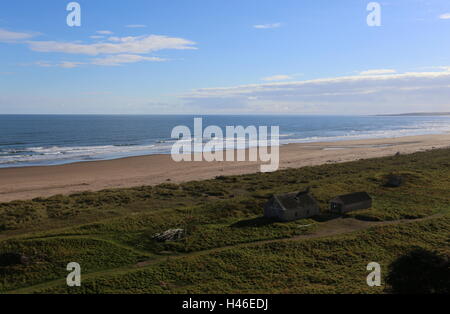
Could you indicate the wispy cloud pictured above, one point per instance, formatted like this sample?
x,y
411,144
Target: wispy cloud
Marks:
x,y
9,36
104,32
117,45
62,64
112,51
445,16
280,77
112,60
267,26
96,93
417,91
378,72
124,58
444,68
136,26
70,64
44,64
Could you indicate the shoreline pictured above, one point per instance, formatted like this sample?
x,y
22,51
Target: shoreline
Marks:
x,y
22,183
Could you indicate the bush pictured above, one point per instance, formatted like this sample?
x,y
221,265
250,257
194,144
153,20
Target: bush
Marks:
x,y
420,272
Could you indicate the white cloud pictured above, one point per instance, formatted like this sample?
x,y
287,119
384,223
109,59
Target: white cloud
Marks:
x,y
104,32
445,16
8,36
62,64
444,68
96,93
112,60
122,39
44,64
70,64
115,50
267,26
381,93
378,72
136,26
120,45
123,58
280,77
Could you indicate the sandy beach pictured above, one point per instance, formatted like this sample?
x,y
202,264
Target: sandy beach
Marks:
x,y
30,182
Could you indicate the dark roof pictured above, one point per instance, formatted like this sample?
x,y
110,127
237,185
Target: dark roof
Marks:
x,y
296,200
353,198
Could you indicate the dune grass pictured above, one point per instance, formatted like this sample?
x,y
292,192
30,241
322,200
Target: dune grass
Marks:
x,y
332,265
109,232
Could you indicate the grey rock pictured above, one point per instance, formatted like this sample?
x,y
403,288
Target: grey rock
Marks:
x,y
394,181
169,235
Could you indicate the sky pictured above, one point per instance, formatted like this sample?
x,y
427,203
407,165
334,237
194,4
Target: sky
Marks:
x,y
224,57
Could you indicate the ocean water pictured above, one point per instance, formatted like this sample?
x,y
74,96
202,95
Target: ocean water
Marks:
x,y
29,140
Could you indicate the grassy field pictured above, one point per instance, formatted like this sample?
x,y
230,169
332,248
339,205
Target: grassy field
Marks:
x,y
229,247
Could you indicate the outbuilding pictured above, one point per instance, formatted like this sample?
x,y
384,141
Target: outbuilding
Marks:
x,y
350,202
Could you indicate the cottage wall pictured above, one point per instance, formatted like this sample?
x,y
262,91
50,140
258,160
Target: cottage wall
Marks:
x,y
306,212
272,209
336,207
293,208
356,206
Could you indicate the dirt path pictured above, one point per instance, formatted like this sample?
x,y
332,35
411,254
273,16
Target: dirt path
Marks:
x,y
333,227
330,228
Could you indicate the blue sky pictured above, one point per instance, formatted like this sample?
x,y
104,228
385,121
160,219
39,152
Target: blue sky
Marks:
x,y
224,56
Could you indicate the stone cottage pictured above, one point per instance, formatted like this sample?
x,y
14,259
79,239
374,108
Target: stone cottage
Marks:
x,y
291,206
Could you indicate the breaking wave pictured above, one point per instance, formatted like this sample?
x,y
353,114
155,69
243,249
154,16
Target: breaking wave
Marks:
x,y
15,152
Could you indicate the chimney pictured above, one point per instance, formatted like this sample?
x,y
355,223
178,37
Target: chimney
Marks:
x,y
304,192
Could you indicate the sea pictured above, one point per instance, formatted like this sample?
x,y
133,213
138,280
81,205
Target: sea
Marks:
x,y
39,140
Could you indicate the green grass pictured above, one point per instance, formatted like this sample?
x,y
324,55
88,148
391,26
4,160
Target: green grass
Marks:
x,y
51,256
333,265
108,232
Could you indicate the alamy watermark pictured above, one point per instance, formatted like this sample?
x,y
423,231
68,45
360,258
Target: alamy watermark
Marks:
x,y
239,144
374,17
73,279
74,17
374,278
